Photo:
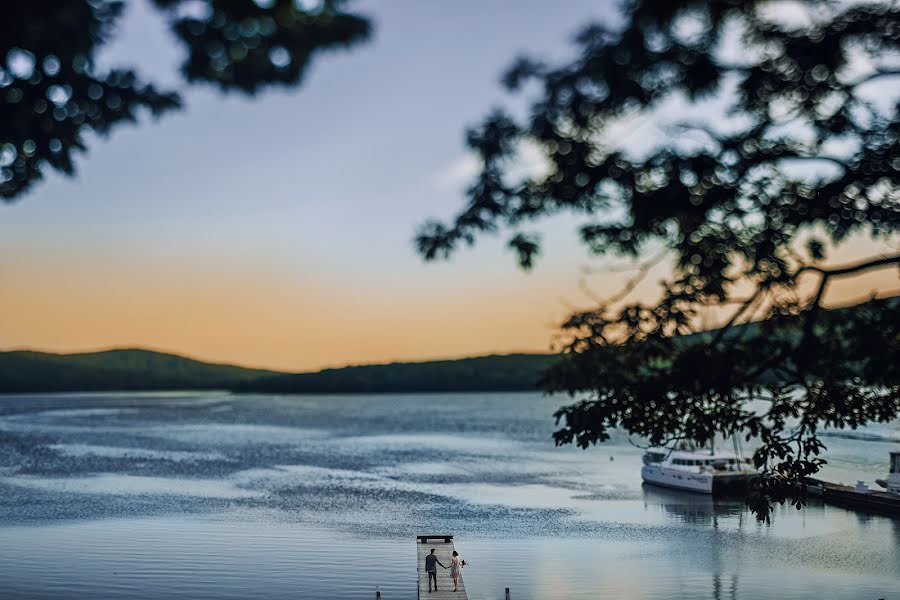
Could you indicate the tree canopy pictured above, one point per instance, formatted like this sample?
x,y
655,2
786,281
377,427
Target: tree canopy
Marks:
x,y
747,207
52,92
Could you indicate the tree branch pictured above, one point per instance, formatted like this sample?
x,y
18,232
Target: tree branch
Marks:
x,y
831,159
642,270
827,275
744,307
884,261
875,75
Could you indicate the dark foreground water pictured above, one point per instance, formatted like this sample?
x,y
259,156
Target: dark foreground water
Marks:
x,y
218,496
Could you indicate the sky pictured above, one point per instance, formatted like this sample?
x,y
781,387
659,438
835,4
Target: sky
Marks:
x,y
276,231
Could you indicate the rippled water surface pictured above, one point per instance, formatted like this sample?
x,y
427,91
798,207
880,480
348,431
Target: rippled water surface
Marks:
x,y
210,495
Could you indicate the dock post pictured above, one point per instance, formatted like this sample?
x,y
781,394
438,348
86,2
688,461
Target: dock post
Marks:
x,y
507,593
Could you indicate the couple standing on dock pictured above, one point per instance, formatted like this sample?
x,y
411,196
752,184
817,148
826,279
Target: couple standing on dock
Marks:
x,y
431,563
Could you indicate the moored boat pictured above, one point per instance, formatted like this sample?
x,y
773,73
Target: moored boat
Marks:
x,y
705,471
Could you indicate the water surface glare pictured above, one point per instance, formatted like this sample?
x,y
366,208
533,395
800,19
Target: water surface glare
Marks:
x,y
211,495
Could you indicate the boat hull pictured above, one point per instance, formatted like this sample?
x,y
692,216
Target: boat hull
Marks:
x,y
693,482
701,483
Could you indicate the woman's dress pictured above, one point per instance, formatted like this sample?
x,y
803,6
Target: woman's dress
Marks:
x,y
454,567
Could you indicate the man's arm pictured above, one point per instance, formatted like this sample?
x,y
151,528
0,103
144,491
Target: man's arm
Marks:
x,y
440,563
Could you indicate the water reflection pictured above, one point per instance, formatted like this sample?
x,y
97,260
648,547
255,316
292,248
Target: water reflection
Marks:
x,y
730,590
691,507
702,510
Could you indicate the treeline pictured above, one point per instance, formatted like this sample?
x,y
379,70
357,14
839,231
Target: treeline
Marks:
x,y
497,373
137,369
127,369
24,371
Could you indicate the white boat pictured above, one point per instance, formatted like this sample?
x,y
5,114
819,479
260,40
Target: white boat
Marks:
x,y
697,469
892,483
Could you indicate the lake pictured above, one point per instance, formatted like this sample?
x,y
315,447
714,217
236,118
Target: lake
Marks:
x,y
213,495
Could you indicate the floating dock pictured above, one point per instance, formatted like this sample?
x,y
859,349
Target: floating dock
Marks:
x,y
443,545
844,496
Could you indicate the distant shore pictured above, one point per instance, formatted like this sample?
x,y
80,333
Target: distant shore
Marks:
x,y
136,369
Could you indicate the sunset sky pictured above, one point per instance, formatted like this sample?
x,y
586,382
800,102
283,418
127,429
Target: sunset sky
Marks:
x,y
277,231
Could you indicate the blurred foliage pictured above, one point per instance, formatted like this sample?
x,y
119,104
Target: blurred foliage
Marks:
x,y
52,92
725,197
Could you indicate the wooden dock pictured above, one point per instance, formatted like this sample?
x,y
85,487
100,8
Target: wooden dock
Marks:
x,y
443,545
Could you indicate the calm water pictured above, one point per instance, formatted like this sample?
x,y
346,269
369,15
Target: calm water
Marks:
x,y
209,495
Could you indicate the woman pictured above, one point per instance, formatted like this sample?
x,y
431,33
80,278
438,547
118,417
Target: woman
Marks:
x,y
455,565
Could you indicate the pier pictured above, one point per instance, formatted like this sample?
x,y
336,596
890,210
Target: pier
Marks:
x,y
849,498
443,545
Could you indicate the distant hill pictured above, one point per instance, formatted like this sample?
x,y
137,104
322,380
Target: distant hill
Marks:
x,y
136,369
496,373
126,369
512,372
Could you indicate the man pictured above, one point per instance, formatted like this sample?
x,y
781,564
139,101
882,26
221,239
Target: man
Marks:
x,y
431,562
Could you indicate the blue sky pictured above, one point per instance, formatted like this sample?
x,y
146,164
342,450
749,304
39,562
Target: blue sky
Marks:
x,y
320,187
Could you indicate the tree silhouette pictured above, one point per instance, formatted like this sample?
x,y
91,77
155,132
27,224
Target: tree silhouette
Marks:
x,y
746,228
51,91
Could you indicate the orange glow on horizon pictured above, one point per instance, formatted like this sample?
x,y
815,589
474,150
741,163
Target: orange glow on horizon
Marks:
x,y
248,315
256,319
